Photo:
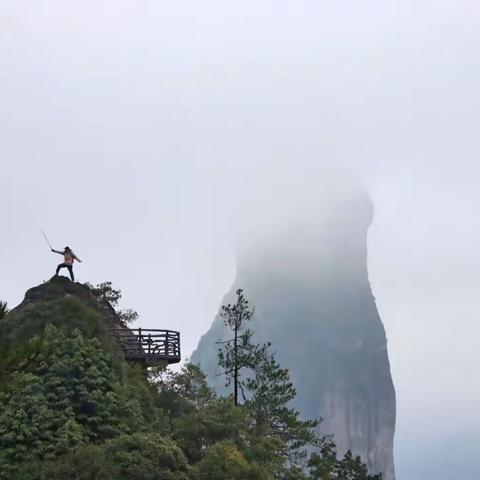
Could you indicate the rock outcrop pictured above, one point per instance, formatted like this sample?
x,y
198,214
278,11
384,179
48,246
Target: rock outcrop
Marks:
x,y
61,288
313,301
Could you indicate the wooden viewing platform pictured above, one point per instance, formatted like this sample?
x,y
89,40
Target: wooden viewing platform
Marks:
x,y
150,347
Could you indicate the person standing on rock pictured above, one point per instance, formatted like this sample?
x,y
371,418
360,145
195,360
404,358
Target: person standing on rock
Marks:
x,y
68,258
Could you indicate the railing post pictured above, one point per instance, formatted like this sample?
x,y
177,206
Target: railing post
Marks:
x,y
149,343
167,344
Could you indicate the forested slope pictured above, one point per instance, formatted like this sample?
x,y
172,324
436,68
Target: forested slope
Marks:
x,y
72,407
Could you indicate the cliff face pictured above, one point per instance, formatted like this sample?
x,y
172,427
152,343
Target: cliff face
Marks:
x,y
313,301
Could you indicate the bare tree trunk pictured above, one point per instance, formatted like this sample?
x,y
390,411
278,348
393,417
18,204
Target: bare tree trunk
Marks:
x,y
235,372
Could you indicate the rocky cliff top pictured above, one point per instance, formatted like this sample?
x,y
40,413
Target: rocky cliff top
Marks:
x,y
61,287
65,304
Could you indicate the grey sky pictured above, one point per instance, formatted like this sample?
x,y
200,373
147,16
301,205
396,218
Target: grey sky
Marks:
x,y
146,134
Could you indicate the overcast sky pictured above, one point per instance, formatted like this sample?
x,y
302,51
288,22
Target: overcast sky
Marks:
x,y
146,134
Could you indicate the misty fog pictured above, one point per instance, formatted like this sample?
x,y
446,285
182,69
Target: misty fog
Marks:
x,y
152,136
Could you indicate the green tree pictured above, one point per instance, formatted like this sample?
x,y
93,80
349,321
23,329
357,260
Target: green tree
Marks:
x,y
198,417
140,456
146,456
234,355
225,461
106,291
113,296
87,462
278,437
326,466
32,426
77,372
270,392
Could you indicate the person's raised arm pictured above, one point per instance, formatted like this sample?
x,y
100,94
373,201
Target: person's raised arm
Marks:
x,y
57,251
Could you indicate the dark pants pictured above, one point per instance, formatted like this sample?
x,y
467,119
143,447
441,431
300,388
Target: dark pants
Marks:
x,y
70,270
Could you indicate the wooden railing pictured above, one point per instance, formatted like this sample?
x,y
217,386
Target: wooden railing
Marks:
x,y
151,347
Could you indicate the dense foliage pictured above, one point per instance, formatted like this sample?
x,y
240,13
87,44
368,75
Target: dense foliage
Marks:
x,y
266,391
72,408
112,295
325,465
